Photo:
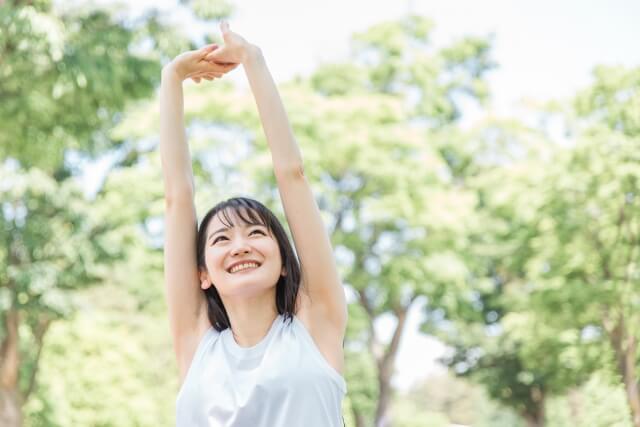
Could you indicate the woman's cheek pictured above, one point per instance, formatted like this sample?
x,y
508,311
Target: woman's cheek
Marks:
x,y
212,259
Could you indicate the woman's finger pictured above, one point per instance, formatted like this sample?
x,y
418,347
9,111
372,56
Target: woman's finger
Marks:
x,y
215,73
212,67
221,56
198,73
216,55
224,27
204,51
197,77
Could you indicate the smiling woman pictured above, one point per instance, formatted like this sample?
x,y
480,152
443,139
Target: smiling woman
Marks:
x,y
236,232
258,339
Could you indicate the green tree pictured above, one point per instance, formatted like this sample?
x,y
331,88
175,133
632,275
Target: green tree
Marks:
x,y
599,402
67,74
587,257
554,261
65,79
53,242
495,335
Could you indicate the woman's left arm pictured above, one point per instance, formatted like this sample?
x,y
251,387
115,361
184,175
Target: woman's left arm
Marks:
x,y
319,271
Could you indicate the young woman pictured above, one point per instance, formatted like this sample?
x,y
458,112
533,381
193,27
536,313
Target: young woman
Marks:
x,y
258,337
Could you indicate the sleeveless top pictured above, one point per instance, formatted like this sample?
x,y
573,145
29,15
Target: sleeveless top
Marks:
x,y
283,380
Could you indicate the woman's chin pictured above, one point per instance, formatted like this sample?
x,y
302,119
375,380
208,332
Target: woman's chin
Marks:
x,y
240,283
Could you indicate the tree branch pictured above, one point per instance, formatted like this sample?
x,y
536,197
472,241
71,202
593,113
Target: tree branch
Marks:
x,y
9,356
41,329
371,339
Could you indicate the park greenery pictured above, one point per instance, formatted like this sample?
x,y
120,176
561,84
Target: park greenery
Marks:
x,y
520,241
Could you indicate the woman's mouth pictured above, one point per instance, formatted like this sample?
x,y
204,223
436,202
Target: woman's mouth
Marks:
x,y
247,266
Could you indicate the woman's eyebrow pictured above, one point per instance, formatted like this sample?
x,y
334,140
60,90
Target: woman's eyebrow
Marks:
x,y
217,231
229,228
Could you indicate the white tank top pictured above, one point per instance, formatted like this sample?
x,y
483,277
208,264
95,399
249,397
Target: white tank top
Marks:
x,y
283,380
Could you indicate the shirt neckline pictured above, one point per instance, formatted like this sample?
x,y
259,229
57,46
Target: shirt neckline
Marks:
x,y
247,352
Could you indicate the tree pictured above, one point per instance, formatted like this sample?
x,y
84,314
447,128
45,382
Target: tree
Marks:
x,y
495,335
66,77
553,263
53,243
588,255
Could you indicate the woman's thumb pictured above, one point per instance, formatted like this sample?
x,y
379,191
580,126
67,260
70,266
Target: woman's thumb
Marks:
x,y
211,56
209,48
224,27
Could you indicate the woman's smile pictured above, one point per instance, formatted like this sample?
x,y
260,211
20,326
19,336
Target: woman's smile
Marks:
x,y
242,268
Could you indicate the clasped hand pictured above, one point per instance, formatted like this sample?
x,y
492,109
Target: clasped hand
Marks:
x,y
212,61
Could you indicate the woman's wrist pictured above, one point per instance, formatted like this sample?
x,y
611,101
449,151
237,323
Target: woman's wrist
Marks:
x,y
169,71
251,53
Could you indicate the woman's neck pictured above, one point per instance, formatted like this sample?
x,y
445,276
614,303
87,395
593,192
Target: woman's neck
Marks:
x,y
251,319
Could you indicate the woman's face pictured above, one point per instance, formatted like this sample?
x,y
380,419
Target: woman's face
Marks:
x,y
251,248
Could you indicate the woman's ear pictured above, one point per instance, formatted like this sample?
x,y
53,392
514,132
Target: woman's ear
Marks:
x,y
205,283
283,272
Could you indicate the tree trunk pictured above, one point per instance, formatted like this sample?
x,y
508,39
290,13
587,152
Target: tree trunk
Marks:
x,y
359,418
39,331
10,408
625,347
533,421
631,381
574,400
534,416
628,367
10,402
386,368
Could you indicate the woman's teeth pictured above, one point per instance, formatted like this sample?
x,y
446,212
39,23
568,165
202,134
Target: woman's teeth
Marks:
x,y
243,267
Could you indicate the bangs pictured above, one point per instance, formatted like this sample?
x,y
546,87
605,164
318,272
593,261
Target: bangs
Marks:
x,y
248,215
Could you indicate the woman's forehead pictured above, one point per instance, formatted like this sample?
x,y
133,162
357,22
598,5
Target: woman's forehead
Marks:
x,y
232,218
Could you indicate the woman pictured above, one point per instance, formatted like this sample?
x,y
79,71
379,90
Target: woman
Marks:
x,y
258,339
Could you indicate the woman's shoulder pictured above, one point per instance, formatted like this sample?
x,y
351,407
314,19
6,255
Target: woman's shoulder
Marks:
x,y
323,339
200,339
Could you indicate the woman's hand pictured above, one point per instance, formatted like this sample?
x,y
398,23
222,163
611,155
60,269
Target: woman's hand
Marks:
x,y
234,51
193,65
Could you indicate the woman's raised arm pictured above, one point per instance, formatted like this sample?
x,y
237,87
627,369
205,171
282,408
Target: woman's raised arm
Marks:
x,y
185,301
319,272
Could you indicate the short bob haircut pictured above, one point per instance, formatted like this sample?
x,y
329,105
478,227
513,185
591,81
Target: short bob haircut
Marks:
x,y
251,212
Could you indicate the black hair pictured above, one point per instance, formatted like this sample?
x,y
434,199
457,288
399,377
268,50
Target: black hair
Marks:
x,y
251,212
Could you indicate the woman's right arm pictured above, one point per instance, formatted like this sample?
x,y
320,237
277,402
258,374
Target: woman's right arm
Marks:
x,y
184,297
185,300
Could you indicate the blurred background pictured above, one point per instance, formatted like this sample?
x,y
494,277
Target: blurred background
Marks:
x,y
476,163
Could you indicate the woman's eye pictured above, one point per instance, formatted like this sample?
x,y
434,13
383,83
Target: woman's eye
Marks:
x,y
257,231
217,239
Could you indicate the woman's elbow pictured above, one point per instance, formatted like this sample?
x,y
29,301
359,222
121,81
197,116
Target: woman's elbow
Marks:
x,y
295,170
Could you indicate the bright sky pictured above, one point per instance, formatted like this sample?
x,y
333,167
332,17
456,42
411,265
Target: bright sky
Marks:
x,y
545,49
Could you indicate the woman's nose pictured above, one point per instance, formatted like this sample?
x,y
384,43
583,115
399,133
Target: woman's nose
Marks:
x,y
240,246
